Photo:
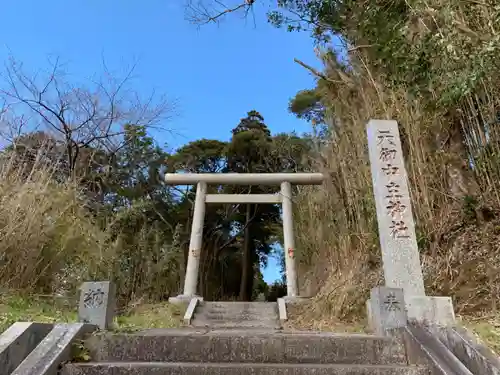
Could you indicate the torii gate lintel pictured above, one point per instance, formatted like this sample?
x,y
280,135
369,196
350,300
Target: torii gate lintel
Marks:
x,y
285,180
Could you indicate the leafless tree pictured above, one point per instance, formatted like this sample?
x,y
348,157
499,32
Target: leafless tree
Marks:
x,y
79,117
202,12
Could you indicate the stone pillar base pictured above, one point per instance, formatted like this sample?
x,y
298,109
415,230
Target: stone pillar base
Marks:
x,y
183,299
295,300
430,310
387,308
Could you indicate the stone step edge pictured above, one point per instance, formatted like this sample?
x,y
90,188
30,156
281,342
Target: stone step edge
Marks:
x,y
236,303
259,313
239,313
250,312
216,323
200,332
221,325
137,364
236,316
239,307
234,323
237,321
213,308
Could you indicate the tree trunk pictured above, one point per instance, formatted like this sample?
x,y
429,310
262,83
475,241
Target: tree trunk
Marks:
x,y
251,271
185,248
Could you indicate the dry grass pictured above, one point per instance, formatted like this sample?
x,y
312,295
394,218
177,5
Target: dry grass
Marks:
x,y
455,205
47,241
299,318
486,328
50,243
337,225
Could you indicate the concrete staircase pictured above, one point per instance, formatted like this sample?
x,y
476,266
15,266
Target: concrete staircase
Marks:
x,y
227,338
227,352
241,315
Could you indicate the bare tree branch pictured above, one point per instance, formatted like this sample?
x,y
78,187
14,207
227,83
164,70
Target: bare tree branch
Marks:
x,y
199,13
78,116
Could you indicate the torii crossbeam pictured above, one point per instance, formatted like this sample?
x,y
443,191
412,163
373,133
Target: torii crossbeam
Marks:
x,y
285,180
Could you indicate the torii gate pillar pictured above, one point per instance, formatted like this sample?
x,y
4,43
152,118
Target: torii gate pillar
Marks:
x,y
285,180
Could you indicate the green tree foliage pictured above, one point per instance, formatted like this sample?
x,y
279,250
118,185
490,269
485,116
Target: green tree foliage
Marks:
x,y
307,105
136,167
276,290
220,246
250,151
201,156
440,51
146,224
433,67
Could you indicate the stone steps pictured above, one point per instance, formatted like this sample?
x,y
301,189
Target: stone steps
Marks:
x,y
246,347
192,351
172,368
252,315
236,323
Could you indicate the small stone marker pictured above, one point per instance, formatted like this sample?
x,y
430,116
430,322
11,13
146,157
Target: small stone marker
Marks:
x,y
387,309
400,255
97,303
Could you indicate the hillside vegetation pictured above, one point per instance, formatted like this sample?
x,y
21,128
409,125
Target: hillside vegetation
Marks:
x,y
87,203
431,66
80,200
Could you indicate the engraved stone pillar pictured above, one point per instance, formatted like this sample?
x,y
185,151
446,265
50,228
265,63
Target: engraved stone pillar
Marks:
x,y
398,242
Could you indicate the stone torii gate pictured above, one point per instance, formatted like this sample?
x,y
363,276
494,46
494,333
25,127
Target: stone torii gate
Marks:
x,y
285,180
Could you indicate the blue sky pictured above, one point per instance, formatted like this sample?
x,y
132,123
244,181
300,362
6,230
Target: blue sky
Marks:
x,y
216,73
